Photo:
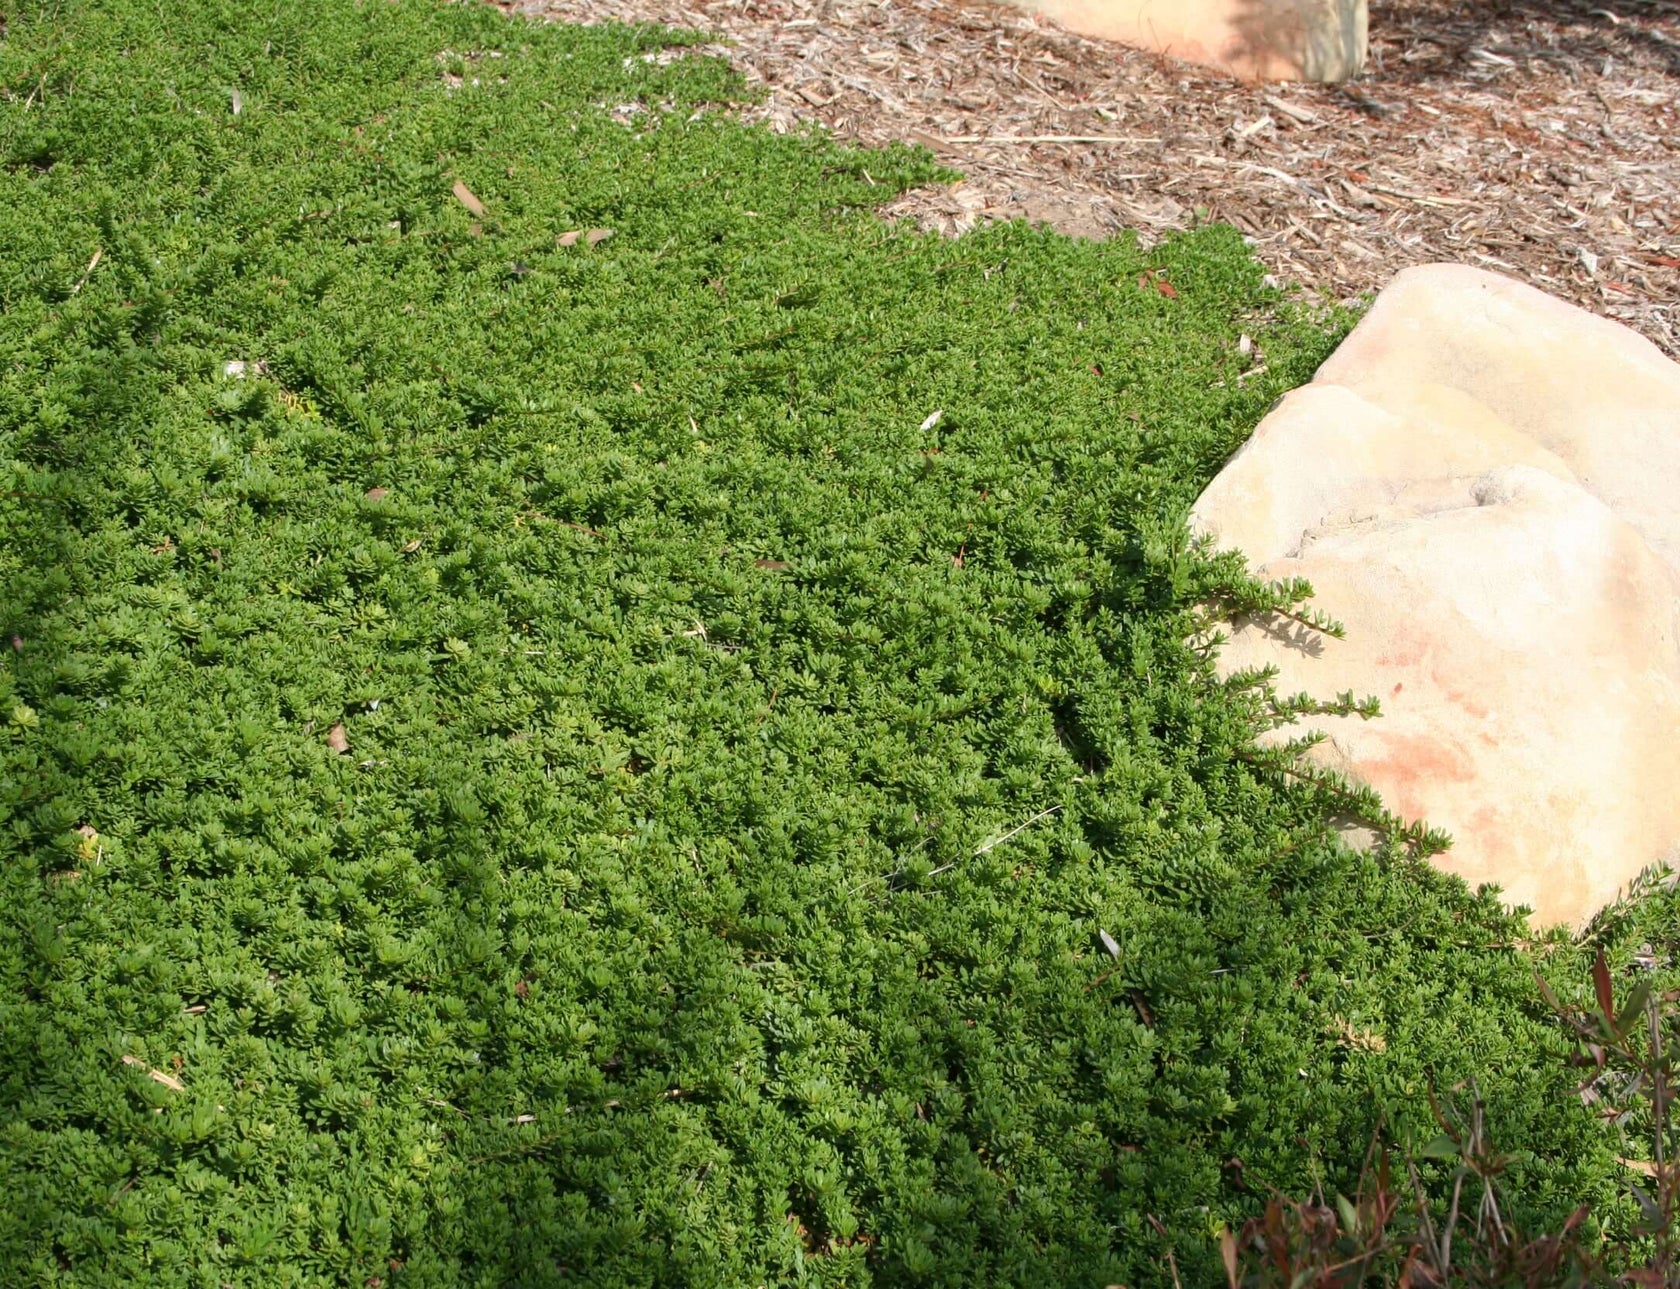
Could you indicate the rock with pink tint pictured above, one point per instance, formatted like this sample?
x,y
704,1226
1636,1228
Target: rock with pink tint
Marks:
x,y
1483,485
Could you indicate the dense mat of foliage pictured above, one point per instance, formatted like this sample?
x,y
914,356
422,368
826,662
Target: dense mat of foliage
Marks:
x,y
524,781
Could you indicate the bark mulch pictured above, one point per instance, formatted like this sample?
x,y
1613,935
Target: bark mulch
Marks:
x,y
1540,138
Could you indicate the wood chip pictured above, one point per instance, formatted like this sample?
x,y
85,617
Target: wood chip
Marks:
x,y
1294,111
464,195
1358,195
590,237
1425,198
1050,138
156,1076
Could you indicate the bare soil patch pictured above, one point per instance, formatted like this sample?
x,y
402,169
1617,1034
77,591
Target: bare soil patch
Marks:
x,y
1540,138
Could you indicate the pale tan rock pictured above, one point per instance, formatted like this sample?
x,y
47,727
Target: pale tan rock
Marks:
x,y
1483,485
1327,455
1310,40
1601,397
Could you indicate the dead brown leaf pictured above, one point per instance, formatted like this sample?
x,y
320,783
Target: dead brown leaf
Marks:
x,y
1638,1165
464,195
1145,1013
1355,1039
1160,283
1603,990
589,236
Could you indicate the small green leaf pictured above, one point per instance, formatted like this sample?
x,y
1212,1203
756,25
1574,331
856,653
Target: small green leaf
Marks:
x,y
1350,1218
1631,1011
1443,1147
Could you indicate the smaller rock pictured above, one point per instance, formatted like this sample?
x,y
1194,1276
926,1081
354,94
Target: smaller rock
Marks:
x,y
1310,40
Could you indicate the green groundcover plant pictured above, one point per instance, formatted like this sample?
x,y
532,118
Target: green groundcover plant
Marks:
x,y
578,709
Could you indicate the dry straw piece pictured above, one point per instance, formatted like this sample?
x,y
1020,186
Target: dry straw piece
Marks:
x,y
1540,139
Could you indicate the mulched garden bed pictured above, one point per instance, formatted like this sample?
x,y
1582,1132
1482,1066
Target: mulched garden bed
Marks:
x,y
1536,139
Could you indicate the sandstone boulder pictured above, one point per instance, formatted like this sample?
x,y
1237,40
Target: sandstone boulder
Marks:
x,y
1483,485
1310,40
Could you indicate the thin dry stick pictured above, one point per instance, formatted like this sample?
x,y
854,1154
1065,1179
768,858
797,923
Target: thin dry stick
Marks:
x,y
1172,1263
1046,138
1452,1221
1659,1083
1659,1122
88,272
998,841
991,845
